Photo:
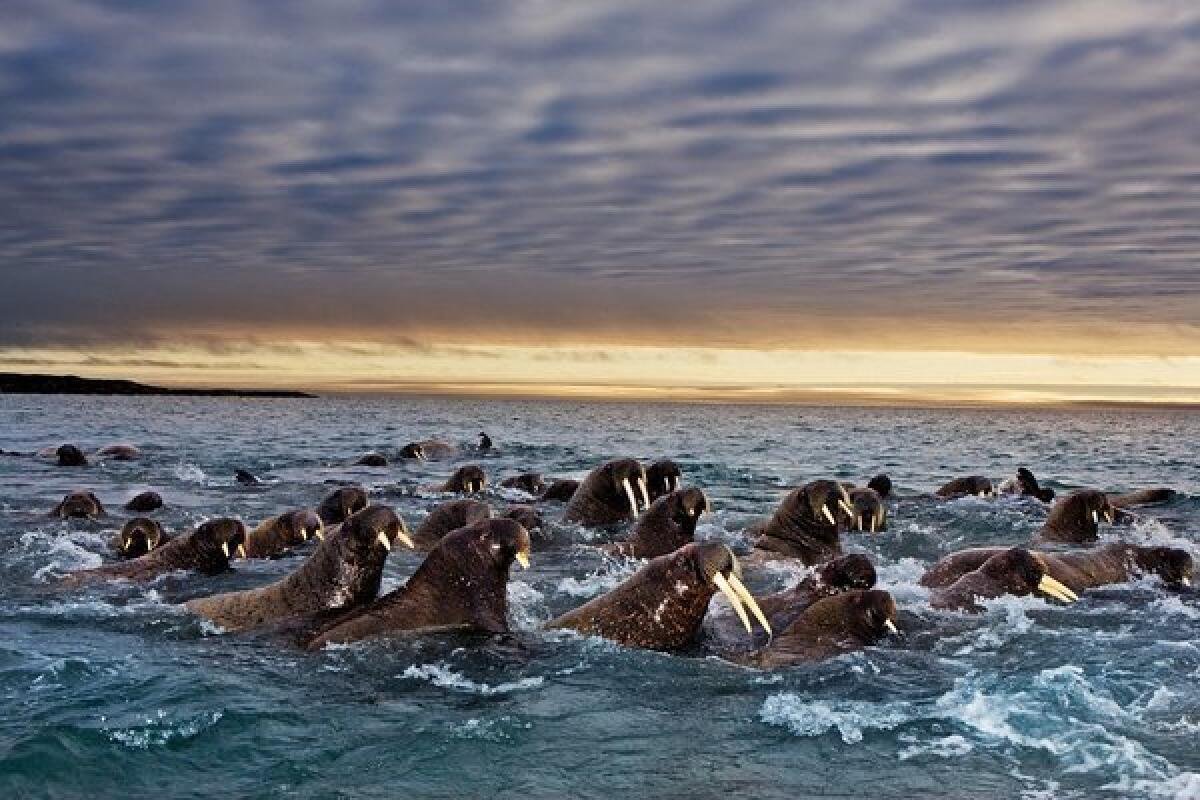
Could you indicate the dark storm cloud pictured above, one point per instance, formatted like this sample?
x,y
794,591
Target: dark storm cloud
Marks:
x,y
706,172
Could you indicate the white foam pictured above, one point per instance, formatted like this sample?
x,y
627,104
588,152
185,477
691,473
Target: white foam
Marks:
x,y
526,606
159,730
441,676
805,717
608,577
190,473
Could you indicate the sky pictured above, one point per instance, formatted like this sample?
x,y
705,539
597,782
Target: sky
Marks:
x,y
719,199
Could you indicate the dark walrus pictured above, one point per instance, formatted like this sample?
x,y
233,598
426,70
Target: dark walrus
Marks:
x,y
663,477
666,526
806,523
119,452
528,482
1075,519
972,485
206,550
462,584
829,627
344,572
80,505
372,459
70,456
1026,485
560,489
341,503
447,517
277,535
465,480
1143,497
145,502
1014,571
139,536
611,493
870,513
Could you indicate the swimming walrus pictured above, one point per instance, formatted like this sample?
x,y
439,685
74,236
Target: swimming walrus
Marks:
x,y
1012,571
344,572
1143,497
529,517
341,503
447,517
662,606
724,633
79,505
1075,519
528,482
245,477
1026,485
436,449
119,452
882,485
206,550
465,480
485,441
663,477
1079,570
560,489
413,450
276,535
69,455
972,485
461,585
870,513
666,526
145,502
806,523
831,626
611,493
371,459
139,536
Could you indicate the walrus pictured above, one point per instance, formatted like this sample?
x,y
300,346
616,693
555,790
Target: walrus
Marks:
x,y
276,535
723,631
1026,485
465,480
1075,519
831,626
344,572
436,449
119,452
139,536
662,606
528,482
1079,570
145,502
205,550
372,459
485,441
870,513
1143,497
461,585
79,505
70,456
663,477
882,485
245,477
666,526
447,517
529,517
976,485
413,450
609,494
560,489
805,525
341,503
1014,571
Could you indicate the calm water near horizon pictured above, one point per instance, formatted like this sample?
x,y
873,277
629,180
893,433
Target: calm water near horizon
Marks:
x,y
114,690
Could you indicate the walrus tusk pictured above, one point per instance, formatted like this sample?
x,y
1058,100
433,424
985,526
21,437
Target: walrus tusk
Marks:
x,y
319,533
225,548
1058,591
406,539
1095,517
645,494
891,627
1185,581
241,551
633,506
751,603
734,600
666,483
523,559
828,515
1110,515
678,482
382,538
303,535
872,523
849,509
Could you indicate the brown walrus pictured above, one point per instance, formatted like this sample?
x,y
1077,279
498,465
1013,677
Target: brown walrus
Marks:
x,y
372,459
529,517
79,505
1079,570
447,517
206,550
70,456
870,513
145,502
528,482
413,450
806,523
435,449
1143,497
462,584
344,572
139,536
663,477
611,493
1026,485
882,485
662,606
1075,519
276,535
1014,571
119,452
560,489
724,633
341,503
666,526
465,480
830,627
975,485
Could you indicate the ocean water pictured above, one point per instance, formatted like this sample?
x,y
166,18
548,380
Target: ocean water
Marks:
x,y
114,691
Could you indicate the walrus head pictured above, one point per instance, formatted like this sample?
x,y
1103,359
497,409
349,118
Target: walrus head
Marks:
x,y
976,485
70,456
303,524
1021,572
1028,485
1076,517
466,480
831,626
882,485
413,450
870,514
372,459
144,502
529,517
79,505
819,503
844,573
370,534
1171,564
216,542
669,524
807,523
341,503
663,477
139,536
529,482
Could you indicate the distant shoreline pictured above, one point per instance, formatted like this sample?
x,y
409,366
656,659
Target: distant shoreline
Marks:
x,y
20,383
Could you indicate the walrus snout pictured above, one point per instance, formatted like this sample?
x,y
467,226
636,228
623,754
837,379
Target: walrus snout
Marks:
x,y
829,500
718,566
138,536
342,503
379,526
854,571
466,480
663,477
79,505
508,541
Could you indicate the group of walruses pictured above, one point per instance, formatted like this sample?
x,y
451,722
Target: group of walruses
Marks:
x,y
333,596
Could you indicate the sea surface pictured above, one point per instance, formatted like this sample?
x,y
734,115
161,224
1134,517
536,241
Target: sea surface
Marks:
x,y
115,691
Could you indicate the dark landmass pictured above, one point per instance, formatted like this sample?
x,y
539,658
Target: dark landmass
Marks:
x,y
18,383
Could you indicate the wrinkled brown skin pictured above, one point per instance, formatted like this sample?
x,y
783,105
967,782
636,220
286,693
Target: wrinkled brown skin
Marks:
x,y
1143,497
79,505
600,499
447,517
561,490
666,526
662,606
145,502
829,627
457,483
119,452
1070,520
70,456
437,450
725,633
462,585
1015,571
199,551
343,573
341,503
663,477
1078,570
138,536
972,485
867,505
529,517
277,535
528,482
799,530
372,459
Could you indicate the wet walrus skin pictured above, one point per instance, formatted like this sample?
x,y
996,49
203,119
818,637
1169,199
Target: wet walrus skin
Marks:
x,y
1143,497
662,606
465,480
666,526
70,456
1075,519
975,485
663,477
830,627
344,572
144,502
613,492
448,517
528,482
1079,570
462,585
277,535
206,550
341,503
1026,485
139,536
79,505
870,513
806,523
1012,571
119,452
560,489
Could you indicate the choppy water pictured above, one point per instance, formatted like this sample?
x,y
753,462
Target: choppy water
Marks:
x,y
114,691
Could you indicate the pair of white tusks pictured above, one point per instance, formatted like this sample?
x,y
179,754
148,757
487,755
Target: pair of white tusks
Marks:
x,y
382,538
843,505
891,627
241,551
740,598
1057,590
633,502
1108,515
672,482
